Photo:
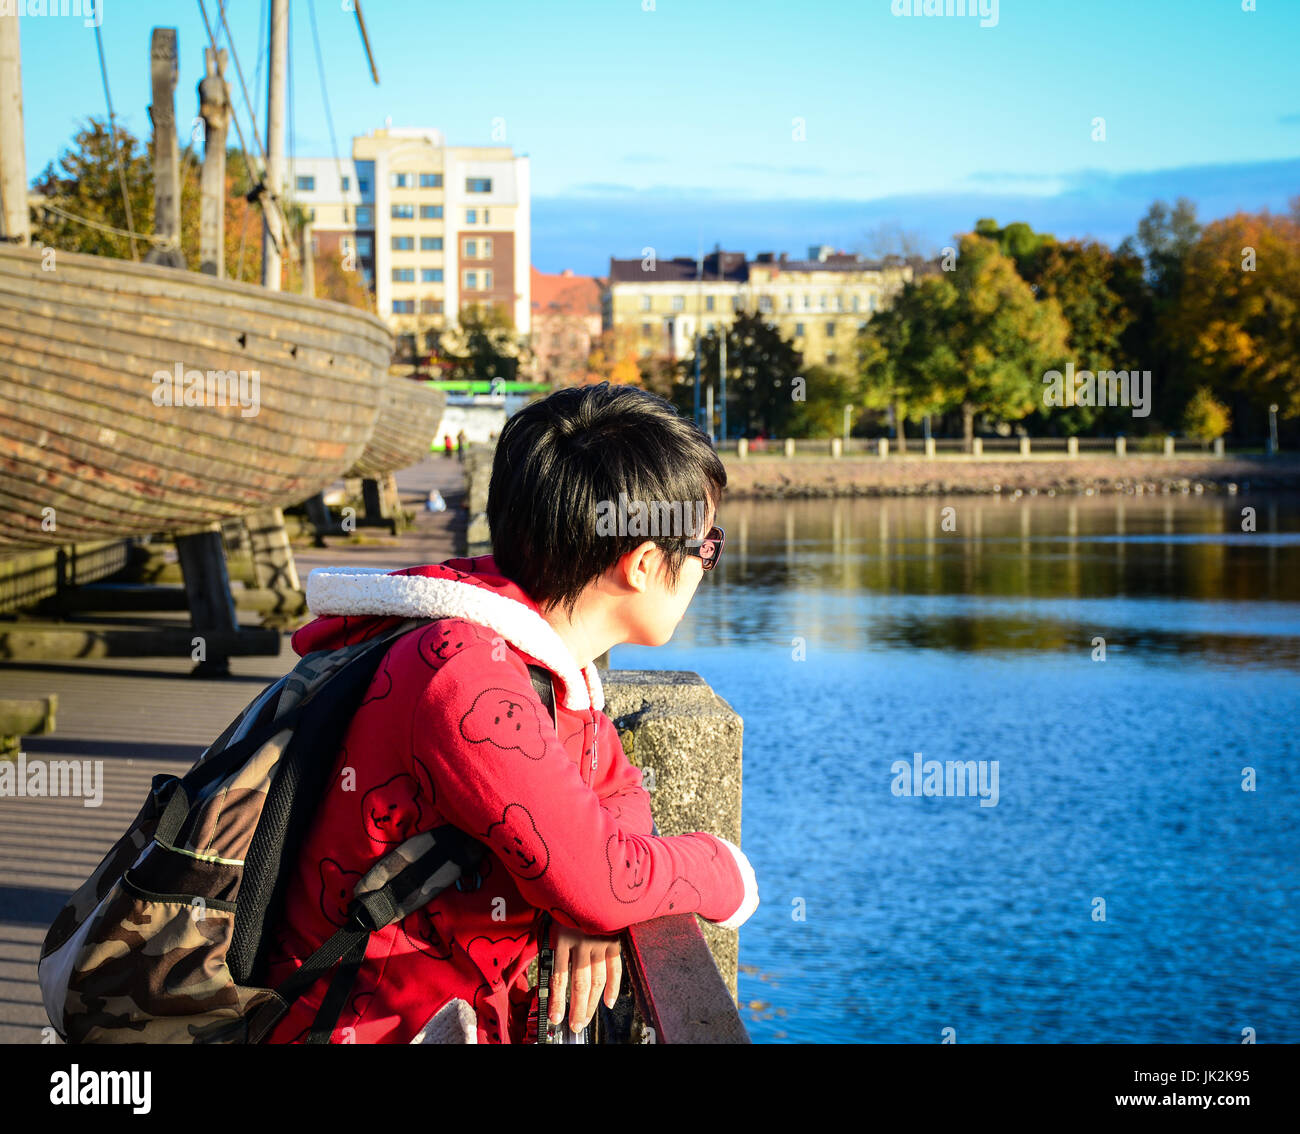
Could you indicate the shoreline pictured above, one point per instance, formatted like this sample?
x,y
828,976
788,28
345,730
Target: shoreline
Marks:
x,y
775,478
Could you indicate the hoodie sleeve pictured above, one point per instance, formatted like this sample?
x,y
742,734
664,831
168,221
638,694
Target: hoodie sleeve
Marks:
x,y
502,775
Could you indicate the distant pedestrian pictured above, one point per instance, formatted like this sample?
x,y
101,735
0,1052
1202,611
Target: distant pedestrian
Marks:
x,y
446,444
461,442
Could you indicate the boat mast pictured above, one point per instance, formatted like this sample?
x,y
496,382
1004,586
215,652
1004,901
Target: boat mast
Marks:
x,y
14,224
277,87
166,156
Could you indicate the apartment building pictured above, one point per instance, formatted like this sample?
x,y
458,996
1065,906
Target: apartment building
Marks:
x,y
433,228
820,303
566,323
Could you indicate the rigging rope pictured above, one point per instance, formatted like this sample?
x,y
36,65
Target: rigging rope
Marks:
x,y
121,173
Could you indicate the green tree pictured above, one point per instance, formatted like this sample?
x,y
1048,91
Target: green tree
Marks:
x,y
1019,241
993,340
1206,418
484,345
893,351
761,371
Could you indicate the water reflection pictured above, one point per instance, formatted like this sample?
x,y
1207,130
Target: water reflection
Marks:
x,y
1171,574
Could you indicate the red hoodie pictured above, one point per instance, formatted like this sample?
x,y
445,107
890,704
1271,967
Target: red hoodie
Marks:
x,y
451,730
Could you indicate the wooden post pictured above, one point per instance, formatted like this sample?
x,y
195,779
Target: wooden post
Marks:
x,y
308,263
272,230
273,565
214,108
14,220
166,157
207,587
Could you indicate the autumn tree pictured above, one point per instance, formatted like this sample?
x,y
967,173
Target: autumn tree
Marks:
x,y
483,345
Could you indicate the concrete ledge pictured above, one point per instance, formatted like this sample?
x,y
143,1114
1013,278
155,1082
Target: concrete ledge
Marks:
x,y
687,742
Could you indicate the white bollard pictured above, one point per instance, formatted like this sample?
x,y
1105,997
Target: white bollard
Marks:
x,y
1071,446
837,446
1218,446
1121,446
789,446
929,446
882,447
977,447
1024,446
1169,446
742,448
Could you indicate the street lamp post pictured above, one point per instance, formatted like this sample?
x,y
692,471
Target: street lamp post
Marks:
x,y
847,411
1272,430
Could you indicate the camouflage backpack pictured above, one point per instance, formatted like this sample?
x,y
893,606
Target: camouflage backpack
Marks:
x,y
167,941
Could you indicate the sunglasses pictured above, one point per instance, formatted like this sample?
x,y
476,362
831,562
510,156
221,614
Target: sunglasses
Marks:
x,y
709,549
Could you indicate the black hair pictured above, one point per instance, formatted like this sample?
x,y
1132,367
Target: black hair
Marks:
x,y
562,461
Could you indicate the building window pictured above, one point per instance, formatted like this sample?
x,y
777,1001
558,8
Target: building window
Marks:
x,y
403,306
737,304
431,212
403,181
487,249
679,302
403,243
830,358
830,330
347,184
365,218
431,275
478,185
365,246
363,184
471,216
487,281
645,303
431,244
789,302
839,302
855,303
871,301
304,184
647,330
487,214
471,249
708,303
471,281
822,301
807,302
765,304
403,275
431,307
431,181
403,212
798,330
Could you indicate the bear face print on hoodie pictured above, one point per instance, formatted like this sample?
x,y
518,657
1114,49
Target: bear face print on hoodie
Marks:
x,y
451,730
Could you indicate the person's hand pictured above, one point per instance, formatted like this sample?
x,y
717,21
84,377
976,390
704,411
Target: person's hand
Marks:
x,y
592,964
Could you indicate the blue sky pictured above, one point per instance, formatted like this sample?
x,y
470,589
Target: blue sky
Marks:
x,y
676,127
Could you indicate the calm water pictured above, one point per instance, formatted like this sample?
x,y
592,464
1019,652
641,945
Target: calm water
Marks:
x,y
1118,779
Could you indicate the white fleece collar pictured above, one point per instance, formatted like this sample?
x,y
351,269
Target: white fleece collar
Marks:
x,y
373,591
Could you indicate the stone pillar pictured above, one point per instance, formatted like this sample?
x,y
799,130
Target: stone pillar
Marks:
x,y
789,446
929,447
1121,447
837,446
1071,446
1024,446
1218,446
687,742
882,447
742,448
977,447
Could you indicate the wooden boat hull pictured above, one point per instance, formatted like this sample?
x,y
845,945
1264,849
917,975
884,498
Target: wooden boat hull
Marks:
x,y
408,424
92,445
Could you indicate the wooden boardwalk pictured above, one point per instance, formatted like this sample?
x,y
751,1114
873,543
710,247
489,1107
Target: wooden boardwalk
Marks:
x,y
143,716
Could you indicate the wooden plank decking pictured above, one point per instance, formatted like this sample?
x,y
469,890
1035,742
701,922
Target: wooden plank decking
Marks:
x,y
143,716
